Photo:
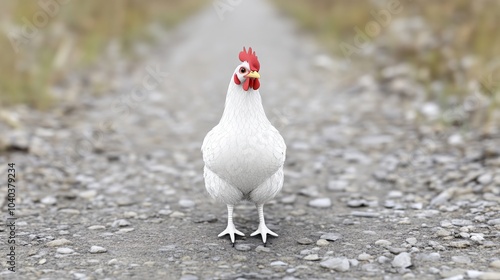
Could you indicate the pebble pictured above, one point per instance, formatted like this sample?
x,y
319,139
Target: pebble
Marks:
x,y
186,203
337,185
96,227
97,249
364,257
290,199
42,261
431,257
495,264
337,264
242,247
383,243
330,236
355,203
402,260
485,179
58,242
65,250
320,202
461,222
322,242
304,241
443,232
261,248
120,223
312,257
460,244
49,200
411,240
279,263
177,214
494,222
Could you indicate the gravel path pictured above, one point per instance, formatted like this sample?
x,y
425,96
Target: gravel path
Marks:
x,y
111,186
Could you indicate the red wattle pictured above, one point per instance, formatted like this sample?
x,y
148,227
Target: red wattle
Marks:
x,y
246,84
256,84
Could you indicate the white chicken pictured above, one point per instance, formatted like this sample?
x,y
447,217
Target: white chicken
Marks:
x,y
244,154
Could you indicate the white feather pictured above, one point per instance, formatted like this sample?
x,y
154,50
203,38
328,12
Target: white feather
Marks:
x,y
244,154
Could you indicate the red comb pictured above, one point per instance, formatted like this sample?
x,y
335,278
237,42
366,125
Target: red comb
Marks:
x,y
251,58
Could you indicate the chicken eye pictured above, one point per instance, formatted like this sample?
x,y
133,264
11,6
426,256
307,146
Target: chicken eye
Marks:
x,y
243,70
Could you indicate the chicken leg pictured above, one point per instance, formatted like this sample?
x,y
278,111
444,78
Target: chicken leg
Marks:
x,y
262,230
230,229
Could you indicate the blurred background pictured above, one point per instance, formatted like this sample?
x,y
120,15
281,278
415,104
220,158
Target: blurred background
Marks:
x,y
448,49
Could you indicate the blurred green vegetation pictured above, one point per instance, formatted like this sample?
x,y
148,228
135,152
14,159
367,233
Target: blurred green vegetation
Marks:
x,y
41,43
453,44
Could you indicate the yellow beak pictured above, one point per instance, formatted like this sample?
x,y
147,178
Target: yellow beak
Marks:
x,y
253,74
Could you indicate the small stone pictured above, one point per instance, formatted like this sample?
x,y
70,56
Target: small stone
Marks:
x,y
461,222
312,257
321,202
443,232
494,222
58,242
304,241
383,259
261,248
461,259
337,264
42,261
337,186
354,203
364,257
242,247
279,263
383,243
432,257
411,240
485,179
396,250
495,264
165,212
460,244
49,200
96,227
120,223
65,250
97,249
88,194
290,199
322,242
186,203
177,214
330,236
402,260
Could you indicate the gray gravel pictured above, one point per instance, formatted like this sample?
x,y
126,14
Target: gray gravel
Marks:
x,y
112,185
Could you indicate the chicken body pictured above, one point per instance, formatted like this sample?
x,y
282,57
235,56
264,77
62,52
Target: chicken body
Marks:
x,y
244,156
